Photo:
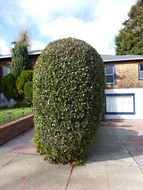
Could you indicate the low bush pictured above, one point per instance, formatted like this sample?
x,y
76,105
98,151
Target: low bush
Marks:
x,y
24,77
28,91
68,99
8,87
22,104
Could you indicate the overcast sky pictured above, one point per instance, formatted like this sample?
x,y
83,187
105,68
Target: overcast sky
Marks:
x,y
95,21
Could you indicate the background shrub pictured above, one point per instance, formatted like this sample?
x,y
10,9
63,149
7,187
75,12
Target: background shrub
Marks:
x,y
8,87
28,91
22,104
24,77
20,59
68,98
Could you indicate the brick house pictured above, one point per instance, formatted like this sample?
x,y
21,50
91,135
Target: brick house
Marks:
x,y
124,86
124,83
5,61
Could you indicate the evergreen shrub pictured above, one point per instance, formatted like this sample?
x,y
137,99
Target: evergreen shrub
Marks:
x,y
25,76
20,59
68,98
8,87
28,92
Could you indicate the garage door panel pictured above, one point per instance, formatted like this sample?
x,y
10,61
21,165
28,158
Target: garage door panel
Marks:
x,y
120,103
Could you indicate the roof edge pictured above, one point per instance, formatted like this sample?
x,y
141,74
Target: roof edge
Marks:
x,y
121,60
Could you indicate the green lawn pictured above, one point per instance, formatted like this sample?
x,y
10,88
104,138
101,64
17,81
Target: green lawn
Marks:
x,y
14,113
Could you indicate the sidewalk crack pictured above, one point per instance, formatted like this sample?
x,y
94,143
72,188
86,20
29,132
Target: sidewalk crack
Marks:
x,y
69,178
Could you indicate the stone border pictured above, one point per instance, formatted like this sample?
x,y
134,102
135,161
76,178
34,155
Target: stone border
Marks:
x,y
14,128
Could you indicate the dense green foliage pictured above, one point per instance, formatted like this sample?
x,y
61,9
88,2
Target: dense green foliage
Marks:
x,y
130,38
28,91
20,59
8,87
68,98
22,104
25,76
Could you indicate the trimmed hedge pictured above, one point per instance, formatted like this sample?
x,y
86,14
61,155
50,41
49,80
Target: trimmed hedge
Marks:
x,y
25,76
68,98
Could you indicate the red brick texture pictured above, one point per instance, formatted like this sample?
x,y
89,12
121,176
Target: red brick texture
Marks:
x,y
14,128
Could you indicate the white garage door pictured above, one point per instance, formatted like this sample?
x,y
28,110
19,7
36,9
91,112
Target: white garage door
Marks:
x,y
120,104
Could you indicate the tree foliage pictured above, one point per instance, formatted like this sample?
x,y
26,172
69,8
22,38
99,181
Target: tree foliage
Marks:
x,y
24,38
20,59
68,98
130,38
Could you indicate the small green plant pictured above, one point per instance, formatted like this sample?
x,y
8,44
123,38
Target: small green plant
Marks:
x,y
24,77
68,99
28,91
8,87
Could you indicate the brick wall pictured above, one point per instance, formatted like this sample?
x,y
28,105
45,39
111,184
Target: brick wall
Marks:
x,y
12,129
126,75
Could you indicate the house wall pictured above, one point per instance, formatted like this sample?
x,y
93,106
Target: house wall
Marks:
x,y
7,62
126,75
33,60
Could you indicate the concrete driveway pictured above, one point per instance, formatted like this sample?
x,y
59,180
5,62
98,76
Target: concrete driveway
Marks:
x,y
114,162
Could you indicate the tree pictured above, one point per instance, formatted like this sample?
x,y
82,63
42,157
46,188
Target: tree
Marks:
x,y
20,58
24,38
130,37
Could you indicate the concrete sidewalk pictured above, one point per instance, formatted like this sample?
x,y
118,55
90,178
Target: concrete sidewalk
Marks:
x,y
109,164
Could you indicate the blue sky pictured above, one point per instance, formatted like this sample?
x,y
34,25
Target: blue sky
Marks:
x,y
95,21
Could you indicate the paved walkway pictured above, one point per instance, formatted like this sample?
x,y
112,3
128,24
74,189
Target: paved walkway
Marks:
x,y
114,162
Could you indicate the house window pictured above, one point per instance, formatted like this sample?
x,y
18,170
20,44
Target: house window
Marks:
x,y
110,74
141,71
6,70
120,104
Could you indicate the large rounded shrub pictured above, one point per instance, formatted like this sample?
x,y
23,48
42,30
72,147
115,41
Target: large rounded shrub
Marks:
x,y
68,98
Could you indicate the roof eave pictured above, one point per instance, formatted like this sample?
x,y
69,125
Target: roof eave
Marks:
x,y
123,60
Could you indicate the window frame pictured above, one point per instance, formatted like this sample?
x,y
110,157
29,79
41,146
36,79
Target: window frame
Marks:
x,y
120,113
140,71
113,68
